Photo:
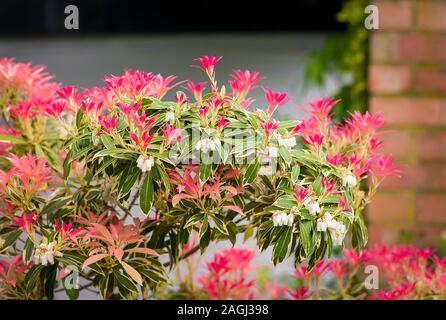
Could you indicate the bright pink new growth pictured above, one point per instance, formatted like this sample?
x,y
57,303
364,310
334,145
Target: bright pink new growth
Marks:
x,y
208,64
138,84
364,123
195,89
26,81
275,99
335,160
26,222
321,108
172,135
55,108
31,171
314,140
91,106
71,96
269,127
141,120
328,185
244,82
300,193
382,166
228,275
181,99
11,272
222,123
108,124
143,141
129,110
23,111
65,230
203,112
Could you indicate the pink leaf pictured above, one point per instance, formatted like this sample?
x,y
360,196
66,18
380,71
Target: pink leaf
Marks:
x,y
94,259
132,273
177,198
144,251
235,208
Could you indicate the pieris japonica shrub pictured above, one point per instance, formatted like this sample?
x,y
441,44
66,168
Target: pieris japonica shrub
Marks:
x,y
111,182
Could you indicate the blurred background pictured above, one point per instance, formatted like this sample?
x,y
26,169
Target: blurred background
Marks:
x,y
309,48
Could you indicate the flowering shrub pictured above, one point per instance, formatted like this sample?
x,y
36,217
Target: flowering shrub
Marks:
x,y
111,182
403,272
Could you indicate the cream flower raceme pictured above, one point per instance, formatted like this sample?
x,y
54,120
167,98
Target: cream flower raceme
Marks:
x,y
282,219
312,206
145,164
170,117
272,152
266,156
286,142
349,180
336,228
208,144
45,253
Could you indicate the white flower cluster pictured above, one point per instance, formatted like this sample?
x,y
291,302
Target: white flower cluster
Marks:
x,y
208,144
145,164
170,117
349,180
286,142
282,218
312,206
336,228
265,156
45,253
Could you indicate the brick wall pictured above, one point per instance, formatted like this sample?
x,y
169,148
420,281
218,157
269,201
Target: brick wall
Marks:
x,y
407,84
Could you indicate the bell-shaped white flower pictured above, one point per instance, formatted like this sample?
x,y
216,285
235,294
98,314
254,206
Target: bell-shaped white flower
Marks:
x,y
145,164
312,206
170,117
45,253
349,180
282,219
272,152
286,142
336,228
208,144
324,222
337,232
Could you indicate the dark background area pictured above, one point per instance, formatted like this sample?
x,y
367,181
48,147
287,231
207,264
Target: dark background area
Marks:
x,y
46,17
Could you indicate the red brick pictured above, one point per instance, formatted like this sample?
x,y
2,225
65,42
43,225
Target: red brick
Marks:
x,y
379,235
394,15
410,111
431,208
431,16
389,79
420,236
396,142
388,208
431,145
382,47
416,47
421,177
429,80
